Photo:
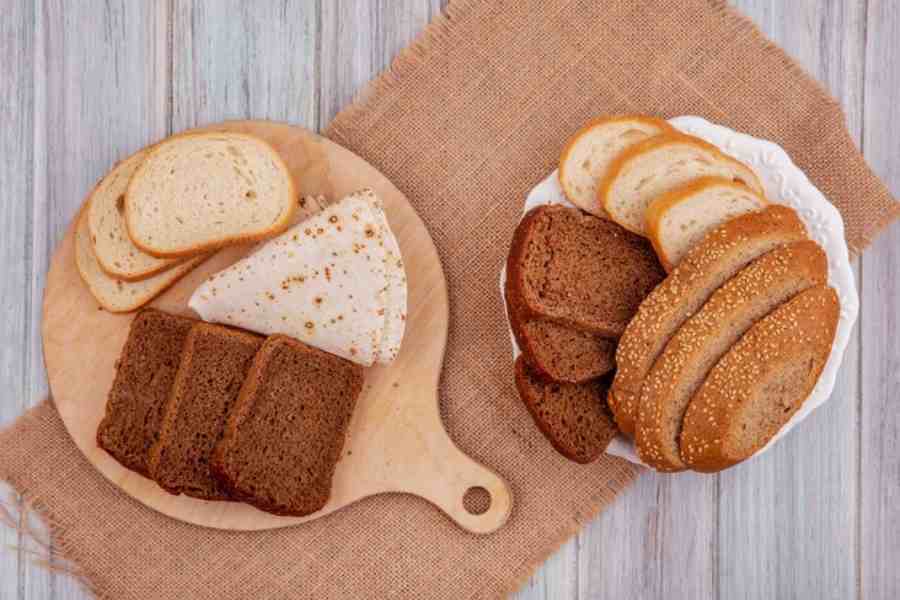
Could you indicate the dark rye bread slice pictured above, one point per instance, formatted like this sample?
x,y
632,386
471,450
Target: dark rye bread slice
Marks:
x,y
214,364
145,373
723,252
572,416
579,270
286,433
761,382
754,292
557,352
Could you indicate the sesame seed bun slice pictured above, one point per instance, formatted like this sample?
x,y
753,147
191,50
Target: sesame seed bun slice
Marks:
x,y
658,165
753,293
723,252
756,388
588,155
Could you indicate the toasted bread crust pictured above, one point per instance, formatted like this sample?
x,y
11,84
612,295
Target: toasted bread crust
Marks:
x,y
721,254
800,331
662,204
283,223
621,162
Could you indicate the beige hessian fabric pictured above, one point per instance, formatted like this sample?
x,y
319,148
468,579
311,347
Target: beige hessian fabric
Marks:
x,y
467,120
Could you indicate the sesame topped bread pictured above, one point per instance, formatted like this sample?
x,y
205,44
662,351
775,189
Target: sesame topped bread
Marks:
x,y
335,281
676,221
587,156
200,191
660,164
116,295
722,253
145,374
579,270
760,383
754,292
115,252
572,416
285,434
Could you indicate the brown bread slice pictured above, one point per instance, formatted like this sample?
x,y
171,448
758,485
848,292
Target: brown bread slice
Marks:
x,y
722,253
214,364
144,377
754,292
286,433
579,270
559,353
761,382
572,416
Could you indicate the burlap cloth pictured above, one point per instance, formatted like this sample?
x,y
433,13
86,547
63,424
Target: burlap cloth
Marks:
x,y
466,121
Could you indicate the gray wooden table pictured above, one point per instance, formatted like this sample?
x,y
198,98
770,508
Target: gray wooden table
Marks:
x,y
85,83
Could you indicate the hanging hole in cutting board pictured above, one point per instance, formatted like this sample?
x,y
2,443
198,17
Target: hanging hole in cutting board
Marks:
x,y
477,500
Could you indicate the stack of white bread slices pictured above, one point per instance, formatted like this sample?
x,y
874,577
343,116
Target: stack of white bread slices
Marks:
x,y
160,212
727,348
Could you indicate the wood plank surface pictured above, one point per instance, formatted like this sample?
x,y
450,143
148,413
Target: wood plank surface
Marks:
x,y
84,83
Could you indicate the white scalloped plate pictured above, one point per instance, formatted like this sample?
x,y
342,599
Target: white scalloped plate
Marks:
x,y
784,183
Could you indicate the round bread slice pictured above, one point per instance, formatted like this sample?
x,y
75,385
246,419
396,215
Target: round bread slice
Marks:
x,y
658,165
760,383
587,156
579,271
722,253
115,251
572,416
765,284
116,295
677,220
199,192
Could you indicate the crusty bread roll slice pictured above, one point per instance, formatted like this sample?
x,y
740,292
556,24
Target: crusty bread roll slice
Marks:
x,y
116,295
201,191
658,165
754,292
722,253
587,156
761,382
115,252
679,219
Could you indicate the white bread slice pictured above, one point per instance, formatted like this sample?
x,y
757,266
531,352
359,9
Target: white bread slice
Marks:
x,y
588,155
678,373
116,295
658,165
679,219
198,192
761,382
722,253
114,250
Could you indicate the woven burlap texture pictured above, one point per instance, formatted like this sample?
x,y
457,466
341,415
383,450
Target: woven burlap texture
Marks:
x,y
465,122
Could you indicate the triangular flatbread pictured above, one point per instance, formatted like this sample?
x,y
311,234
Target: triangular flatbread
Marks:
x,y
334,281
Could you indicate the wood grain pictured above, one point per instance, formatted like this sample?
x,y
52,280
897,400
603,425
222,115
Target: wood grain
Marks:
x,y
879,421
351,41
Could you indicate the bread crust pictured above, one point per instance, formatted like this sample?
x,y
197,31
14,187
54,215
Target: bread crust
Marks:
x,y
282,224
802,329
676,298
662,124
658,208
621,162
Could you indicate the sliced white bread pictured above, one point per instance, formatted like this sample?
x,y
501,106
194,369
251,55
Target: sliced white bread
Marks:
x,y
116,295
588,155
722,253
201,191
679,219
754,292
115,251
755,389
658,165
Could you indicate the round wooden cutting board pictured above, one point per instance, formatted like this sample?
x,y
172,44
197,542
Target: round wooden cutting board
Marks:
x,y
396,441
